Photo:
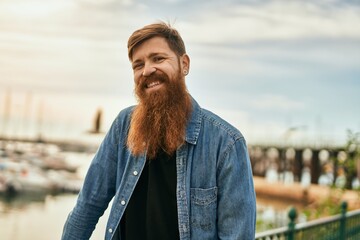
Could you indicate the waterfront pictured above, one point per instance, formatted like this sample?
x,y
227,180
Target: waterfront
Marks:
x,y
42,217
38,217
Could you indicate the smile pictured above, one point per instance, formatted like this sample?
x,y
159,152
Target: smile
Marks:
x,y
153,84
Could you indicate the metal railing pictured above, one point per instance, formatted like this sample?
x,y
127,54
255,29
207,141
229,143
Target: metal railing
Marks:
x,y
339,227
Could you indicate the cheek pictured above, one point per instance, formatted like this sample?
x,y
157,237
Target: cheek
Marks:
x,y
137,78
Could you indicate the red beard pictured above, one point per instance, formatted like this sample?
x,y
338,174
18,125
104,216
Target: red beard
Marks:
x,y
159,121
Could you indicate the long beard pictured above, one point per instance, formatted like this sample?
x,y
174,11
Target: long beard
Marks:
x,y
159,120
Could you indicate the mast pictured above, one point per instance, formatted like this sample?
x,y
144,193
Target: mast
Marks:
x,y
6,114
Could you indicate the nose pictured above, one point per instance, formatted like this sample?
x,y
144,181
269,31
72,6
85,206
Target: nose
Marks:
x,y
148,70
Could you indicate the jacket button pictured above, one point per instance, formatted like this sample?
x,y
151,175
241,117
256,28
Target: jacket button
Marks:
x,y
122,202
110,230
135,173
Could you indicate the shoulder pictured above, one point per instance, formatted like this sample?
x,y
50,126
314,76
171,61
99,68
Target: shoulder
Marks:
x,y
124,114
214,121
208,125
122,120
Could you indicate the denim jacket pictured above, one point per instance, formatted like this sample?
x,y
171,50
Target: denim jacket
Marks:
x,y
215,192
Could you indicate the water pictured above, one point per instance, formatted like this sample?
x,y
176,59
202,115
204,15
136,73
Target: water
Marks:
x,y
38,217
42,216
274,213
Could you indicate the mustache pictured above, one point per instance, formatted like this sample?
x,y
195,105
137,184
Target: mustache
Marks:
x,y
161,77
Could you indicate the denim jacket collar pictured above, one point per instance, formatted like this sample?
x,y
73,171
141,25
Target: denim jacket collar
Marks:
x,y
194,124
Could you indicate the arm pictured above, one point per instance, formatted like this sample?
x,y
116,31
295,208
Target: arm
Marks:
x,y
97,191
236,199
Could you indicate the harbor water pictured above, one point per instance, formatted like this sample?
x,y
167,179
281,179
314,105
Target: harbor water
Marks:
x,y
42,216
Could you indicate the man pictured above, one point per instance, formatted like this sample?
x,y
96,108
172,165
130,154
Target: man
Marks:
x,y
175,170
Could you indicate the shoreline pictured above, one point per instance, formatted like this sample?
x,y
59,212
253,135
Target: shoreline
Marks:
x,y
296,193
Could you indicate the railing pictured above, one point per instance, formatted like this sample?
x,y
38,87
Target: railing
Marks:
x,y
339,227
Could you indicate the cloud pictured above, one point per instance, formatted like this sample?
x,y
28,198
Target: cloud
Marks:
x,y
277,102
262,60
274,20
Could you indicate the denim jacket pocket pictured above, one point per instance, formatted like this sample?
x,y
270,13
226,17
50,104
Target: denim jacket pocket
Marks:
x,y
203,209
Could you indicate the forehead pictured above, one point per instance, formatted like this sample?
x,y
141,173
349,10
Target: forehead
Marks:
x,y
152,46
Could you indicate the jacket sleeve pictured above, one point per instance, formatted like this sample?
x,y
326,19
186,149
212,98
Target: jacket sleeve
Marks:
x,y
236,199
97,191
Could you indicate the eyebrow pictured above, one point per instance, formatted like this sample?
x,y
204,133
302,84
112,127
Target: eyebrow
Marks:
x,y
150,56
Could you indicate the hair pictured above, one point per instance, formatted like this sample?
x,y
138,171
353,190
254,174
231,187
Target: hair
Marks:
x,y
160,29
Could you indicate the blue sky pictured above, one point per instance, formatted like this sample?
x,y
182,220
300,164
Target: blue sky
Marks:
x,y
265,66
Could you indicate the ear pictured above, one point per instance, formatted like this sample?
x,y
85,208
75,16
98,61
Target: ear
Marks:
x,y
185,63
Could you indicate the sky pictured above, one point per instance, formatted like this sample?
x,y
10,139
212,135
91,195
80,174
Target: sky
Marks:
x,y
280,71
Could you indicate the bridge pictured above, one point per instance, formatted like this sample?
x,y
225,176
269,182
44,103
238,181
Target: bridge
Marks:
x,y
308,165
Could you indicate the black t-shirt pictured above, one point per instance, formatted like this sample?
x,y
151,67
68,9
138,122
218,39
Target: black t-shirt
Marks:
x,y
152,211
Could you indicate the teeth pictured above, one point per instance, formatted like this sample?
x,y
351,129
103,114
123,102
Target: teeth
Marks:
x,y
153,84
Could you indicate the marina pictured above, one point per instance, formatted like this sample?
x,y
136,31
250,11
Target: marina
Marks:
x,y
36,168
39,183
42,217
36,193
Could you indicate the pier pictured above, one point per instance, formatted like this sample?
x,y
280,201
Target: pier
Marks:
x,y
327,165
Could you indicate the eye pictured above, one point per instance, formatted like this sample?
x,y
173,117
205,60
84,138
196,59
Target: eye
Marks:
x,y
158,59
137,66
